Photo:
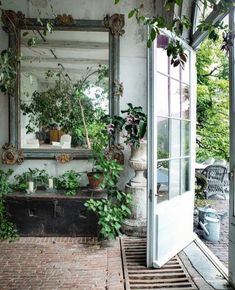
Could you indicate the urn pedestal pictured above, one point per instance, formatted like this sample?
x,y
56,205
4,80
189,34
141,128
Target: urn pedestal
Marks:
x,y
137,187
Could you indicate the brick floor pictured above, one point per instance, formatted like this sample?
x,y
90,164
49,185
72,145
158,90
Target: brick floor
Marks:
x,y
220,248
60,263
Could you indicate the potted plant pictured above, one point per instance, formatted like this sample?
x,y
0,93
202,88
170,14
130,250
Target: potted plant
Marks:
x,y
114,209
69,181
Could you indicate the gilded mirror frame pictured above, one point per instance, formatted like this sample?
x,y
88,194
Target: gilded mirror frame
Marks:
x,y
112,24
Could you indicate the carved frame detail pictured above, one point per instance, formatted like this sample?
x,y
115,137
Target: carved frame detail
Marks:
x,y
11,155
115,23
64,158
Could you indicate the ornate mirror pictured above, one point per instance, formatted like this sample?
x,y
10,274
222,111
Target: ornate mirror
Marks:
x,y
66,80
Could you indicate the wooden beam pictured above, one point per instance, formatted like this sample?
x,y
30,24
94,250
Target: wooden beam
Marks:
x,y
84,61
61,44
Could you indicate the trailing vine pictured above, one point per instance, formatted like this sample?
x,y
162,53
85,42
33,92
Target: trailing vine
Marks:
x,y
175,48
7,229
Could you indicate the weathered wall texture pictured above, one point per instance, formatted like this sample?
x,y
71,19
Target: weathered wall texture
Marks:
x,y
133,65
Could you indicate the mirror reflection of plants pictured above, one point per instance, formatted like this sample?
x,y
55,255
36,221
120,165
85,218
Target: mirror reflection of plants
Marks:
x,y
7,71
71,107
69,181
7,229
8,57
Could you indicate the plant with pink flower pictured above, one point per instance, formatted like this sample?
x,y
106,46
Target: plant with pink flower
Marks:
x,y
132,126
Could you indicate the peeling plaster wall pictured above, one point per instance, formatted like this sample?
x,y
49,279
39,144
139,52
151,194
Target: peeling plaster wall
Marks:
x,y
133,65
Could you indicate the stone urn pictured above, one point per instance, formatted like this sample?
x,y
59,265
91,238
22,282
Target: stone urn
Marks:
x,y
138,162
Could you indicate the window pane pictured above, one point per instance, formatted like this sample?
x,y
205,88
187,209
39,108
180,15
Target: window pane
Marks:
x,y
175,99
162,181
185,181
174,178
174,138
162,138
185,102
163,93
185,137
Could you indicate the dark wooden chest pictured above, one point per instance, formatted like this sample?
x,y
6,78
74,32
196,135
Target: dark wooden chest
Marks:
x,y
53,214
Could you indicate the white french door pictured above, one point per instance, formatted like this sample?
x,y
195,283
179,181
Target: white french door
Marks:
x,y
171,152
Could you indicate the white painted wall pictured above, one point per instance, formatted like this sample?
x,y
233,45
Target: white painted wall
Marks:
x,y
133,65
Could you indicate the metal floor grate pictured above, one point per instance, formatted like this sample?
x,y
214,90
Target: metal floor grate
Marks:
x,y
172,275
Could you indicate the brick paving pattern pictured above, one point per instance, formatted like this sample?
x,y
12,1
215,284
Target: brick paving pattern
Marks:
x,y
220,248
60,263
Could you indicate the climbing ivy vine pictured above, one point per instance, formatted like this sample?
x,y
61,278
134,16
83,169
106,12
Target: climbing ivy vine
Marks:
x,y
7,229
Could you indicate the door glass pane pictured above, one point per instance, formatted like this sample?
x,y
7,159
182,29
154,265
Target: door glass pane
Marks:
x,y
174,178
162,138
185,138
175,72
162,61
174,138
185,102
175,99
185,184
162,181
185,72
163,93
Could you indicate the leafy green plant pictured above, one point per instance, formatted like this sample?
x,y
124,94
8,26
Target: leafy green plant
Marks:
x,y
111,212
116,207
7,229
21,180
69,181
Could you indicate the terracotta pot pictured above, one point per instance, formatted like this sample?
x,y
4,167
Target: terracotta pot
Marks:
x,y
95,182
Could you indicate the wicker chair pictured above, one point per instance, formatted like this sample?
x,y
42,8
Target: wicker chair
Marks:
x,y
215,175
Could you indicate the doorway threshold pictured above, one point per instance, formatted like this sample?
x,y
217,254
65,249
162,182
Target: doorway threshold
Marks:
x,y
204,267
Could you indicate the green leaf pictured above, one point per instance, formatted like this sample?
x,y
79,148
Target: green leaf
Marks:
x,y
153,34
25,33
149,43
131,13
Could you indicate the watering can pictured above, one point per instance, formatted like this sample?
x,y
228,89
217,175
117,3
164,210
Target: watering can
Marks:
x,y
202,211
211,226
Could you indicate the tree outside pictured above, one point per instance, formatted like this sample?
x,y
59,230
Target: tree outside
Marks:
x,y
212,101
